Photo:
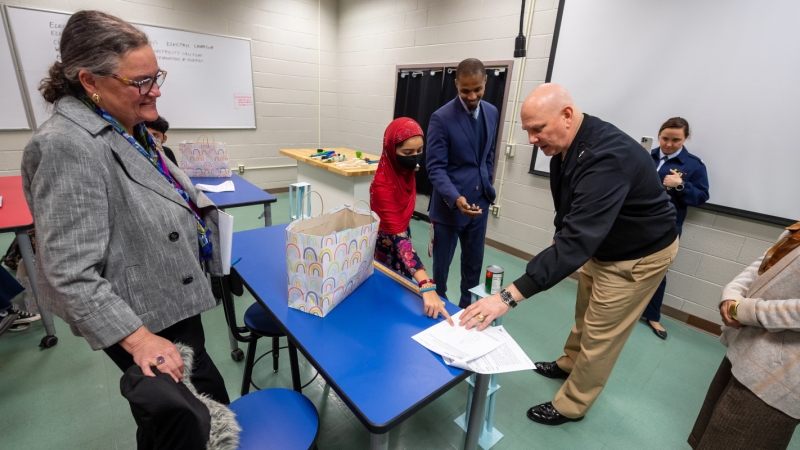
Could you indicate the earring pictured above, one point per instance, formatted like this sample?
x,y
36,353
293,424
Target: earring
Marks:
x,y
96,98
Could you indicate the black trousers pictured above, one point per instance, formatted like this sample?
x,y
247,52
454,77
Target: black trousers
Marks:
x,y
205,378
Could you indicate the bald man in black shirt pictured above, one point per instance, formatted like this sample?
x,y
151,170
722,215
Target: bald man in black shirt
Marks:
x,y
614,221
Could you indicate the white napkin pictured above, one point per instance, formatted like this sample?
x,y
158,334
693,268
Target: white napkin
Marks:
x,y
224,187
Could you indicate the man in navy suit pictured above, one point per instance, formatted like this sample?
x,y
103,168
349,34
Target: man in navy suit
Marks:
x,y
460,162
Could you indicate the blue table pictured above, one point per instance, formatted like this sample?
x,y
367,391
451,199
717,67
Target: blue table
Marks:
x,y
246,194
363,348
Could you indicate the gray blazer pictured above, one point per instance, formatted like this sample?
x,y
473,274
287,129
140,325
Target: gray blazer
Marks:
x,y
116,245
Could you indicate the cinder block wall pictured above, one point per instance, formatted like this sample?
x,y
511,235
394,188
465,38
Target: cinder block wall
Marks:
x,y
362,42
376,35
285,64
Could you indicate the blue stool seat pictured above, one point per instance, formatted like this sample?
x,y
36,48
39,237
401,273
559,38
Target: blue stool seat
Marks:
x,y
279,419
258,321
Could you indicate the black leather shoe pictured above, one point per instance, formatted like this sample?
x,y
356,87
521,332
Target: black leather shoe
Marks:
x,y
550,370
546,414
661,334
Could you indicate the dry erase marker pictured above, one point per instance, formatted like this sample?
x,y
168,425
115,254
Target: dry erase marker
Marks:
x,y
234,263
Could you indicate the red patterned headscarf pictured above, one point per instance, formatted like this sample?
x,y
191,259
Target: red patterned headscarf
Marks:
x,y
393,192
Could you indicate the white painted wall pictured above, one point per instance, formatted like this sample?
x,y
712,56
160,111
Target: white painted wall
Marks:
x,y
284,47
376,35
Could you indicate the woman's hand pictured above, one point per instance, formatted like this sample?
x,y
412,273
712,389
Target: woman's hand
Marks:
x,y
724,312
146,348
434,305
673,179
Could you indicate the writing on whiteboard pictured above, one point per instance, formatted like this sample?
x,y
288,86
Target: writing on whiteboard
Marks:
x,y
242,101
155,43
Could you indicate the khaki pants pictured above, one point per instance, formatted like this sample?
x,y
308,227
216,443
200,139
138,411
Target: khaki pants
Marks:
x,y
611,298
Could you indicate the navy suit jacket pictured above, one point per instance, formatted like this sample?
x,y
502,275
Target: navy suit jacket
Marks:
x,y
453,167
695,181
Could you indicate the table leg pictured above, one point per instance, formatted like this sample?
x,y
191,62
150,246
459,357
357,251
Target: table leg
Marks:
x,y
267,215
25,248
475,420
489,426
295,367
378,441
234,344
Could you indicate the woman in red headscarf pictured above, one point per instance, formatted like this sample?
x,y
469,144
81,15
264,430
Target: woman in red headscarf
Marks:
x,y
393,194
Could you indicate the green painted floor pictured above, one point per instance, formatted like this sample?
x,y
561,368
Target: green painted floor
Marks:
x,y
68,397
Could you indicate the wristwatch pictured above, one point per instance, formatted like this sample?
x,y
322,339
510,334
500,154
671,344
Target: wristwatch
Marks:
x,y
507,298
679,187
733,310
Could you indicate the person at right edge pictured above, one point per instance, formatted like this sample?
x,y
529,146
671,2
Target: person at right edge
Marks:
x,y
685,178
753,401
460,162
614,222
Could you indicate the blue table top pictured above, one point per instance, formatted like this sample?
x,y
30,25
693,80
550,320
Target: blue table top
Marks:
x,y
363,347
246,193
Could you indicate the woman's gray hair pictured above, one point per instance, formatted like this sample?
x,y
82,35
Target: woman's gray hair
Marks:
x,y
94,41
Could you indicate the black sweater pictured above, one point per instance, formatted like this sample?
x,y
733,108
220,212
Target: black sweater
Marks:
x,y
609,204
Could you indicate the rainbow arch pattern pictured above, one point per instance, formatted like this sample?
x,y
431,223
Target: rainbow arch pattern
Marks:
x,y
323,270
204,159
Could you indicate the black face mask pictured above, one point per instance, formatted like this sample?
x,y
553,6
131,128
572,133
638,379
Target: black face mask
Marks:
x,y
409,162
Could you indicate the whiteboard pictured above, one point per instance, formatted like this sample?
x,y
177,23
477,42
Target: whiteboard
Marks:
x,y
12,108
209,80
727,66
542,163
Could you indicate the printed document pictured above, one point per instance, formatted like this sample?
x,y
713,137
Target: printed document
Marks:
x,y
508,357
457,343
225,224
222,187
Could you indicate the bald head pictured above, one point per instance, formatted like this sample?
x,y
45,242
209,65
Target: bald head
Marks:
x,y
550,117
549,97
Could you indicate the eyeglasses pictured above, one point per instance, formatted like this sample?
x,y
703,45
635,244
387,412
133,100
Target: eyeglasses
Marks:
x,y
146,85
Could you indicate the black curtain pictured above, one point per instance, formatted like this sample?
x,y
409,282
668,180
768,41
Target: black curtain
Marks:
x,y
420,94
493,93
417,98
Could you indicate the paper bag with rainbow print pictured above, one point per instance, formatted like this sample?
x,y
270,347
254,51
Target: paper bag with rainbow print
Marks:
x,y
204,159
328,257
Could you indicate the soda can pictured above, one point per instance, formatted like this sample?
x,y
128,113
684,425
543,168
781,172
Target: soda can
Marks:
x,y
494,279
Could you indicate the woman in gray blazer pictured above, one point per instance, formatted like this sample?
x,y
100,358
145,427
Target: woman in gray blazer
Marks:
x,y
124,239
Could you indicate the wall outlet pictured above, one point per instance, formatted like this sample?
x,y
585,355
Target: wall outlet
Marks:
x,y
241,169
496,210
510,150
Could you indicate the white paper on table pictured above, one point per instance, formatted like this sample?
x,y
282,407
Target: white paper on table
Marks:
x,y
225,241
222,187
457,343
508,357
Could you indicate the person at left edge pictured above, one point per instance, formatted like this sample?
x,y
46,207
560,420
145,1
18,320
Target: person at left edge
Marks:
x,y
460,162
392,195
685,179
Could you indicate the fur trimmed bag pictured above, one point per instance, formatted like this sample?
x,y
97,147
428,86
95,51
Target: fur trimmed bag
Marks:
x,y
225,430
